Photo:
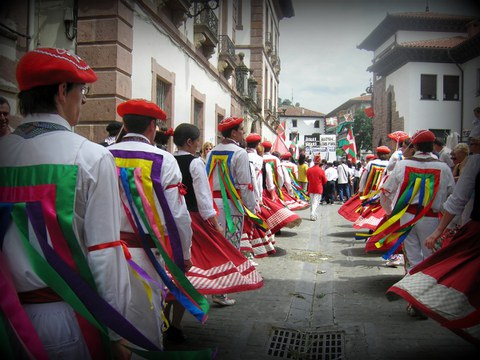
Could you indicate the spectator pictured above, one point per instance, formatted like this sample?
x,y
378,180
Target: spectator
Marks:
x,y
4,113
443,152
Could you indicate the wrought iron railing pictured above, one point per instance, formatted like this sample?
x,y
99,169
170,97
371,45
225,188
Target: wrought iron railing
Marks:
x,y
208,19
227,47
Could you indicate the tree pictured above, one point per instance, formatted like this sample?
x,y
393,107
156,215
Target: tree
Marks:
x,y
286,102
362,130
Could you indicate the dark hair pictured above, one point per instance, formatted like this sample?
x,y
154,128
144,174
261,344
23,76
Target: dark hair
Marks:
x,y
40,99
424,146
252,145
161,136
4,101
228,133
113,128
137,123
439,142
185,131
383,156
301,159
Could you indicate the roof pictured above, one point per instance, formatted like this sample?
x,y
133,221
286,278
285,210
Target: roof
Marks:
x,y
417,21
456,49
298,111
349,103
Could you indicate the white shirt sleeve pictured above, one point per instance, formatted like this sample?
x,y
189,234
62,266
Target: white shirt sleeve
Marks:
x,y
203,194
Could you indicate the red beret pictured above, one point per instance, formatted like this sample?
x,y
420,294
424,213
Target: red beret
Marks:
x,y
317,159
423,136
141,107
267,144
398,136
251,138
370,157
48,66
383,150
286,156
229,123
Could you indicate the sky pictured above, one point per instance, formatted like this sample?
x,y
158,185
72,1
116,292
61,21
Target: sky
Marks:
x,y
321,66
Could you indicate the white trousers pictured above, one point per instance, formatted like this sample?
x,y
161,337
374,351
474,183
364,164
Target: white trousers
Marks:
x,y
315,200
58,329
414,244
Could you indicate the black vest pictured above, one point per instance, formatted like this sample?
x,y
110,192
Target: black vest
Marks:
x,y
184,164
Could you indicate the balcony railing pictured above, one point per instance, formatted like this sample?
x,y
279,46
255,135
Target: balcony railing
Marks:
x,y
207,19
206,31
227,47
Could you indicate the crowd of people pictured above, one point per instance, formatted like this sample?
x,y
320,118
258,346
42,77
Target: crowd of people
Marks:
x,y
105,246
420,208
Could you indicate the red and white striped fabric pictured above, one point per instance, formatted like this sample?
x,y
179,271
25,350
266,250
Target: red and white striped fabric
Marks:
x,y
256,241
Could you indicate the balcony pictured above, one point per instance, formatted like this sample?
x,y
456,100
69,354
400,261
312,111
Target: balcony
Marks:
x,y
226,58
205,27
176,10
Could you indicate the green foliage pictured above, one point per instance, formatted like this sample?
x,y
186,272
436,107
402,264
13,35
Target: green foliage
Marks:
x,y
362,130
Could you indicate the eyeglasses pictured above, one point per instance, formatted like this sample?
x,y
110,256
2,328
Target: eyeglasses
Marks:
x,y
85,90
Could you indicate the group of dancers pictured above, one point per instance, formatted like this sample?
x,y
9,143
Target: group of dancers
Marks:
x,y
404,205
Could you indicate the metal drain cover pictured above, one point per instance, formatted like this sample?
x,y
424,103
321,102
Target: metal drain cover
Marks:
x,y
306,345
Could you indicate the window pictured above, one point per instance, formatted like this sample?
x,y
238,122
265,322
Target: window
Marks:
x,y
451,87
197,113
293,136
294,122
428,87
162,91
317,124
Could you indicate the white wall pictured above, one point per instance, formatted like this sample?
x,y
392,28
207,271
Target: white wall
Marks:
x,y
471,98
150,43
424,114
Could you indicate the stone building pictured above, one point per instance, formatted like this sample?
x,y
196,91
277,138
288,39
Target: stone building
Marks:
x,y
426,73
199,60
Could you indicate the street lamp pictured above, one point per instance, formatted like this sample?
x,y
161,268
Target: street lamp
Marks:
x,y
201,6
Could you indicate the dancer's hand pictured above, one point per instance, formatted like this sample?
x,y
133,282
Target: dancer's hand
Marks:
x,y
432,239
119,351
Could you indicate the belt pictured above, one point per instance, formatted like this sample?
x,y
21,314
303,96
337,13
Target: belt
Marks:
x,y
134,241
39,296
415,209
217,194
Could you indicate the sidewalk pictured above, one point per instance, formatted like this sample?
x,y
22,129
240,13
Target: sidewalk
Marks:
x,y
324,298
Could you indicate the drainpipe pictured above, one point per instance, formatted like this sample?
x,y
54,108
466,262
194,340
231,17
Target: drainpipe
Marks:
x,y
31,24
461,93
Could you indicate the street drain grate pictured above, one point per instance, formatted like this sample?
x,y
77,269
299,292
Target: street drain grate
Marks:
x,y
306,345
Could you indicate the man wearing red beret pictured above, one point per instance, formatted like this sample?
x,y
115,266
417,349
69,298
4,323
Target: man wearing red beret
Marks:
x,y
228,166
316,181
437,184
140,119
381,160
81,212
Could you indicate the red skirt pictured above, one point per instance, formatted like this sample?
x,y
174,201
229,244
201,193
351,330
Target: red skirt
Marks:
x,y
446,286
292,203
348,210
278,216
256,241
218,267
370,218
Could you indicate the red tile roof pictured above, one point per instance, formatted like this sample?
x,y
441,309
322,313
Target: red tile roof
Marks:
x,y
444,43
299,112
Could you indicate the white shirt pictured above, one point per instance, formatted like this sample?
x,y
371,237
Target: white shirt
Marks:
x,y
278,170
366,172
444,155
396,156
256,162
169,175
343,173
201,187
465,187
391,188
331,173
240,173
97,206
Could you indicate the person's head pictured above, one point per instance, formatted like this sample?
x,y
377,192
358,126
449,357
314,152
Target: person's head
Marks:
x,y
260,150
459,153
140,117
286,156
4,113
253,140
54,81
474,144
267,145
383,152
438,144
276,154
408,148
476,112
369,158
187,137
206,148
162,134
317,159
232,128
423,140
302,158
113,128
329,164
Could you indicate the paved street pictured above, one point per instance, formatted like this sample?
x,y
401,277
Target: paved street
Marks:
x,y
323,298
